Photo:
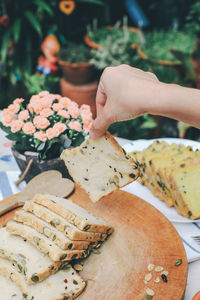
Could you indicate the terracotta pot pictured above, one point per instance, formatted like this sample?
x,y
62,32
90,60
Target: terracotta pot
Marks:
x,y
77,73
82,94
96,46
37,167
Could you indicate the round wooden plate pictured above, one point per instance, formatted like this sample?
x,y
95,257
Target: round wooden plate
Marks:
x,y
142,236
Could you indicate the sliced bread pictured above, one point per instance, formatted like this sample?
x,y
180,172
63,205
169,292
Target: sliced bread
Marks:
x,y
58,237
73,213
9,290
29,261
100,166
185,187
61,224
65,284
44,244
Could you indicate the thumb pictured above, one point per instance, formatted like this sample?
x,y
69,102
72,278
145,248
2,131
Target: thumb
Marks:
x,y
99,125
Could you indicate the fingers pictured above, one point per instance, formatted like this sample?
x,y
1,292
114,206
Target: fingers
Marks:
x,y
100,98
99,125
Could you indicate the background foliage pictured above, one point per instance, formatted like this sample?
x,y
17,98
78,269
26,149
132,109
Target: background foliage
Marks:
x,y
32,20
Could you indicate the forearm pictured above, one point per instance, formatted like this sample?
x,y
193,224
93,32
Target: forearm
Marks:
x,y
175,102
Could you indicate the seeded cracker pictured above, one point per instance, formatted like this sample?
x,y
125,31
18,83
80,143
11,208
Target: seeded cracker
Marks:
x,y
100,166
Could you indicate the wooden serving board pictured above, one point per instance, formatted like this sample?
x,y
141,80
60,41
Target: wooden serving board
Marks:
x,y
142,236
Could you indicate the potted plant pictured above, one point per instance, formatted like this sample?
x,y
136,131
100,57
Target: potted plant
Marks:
x,y
156,48
44,127
113,53
75,65
97,37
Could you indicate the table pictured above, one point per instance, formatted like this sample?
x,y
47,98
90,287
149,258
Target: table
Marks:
x,y
7,163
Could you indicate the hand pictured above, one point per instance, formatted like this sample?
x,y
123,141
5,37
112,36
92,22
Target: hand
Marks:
x,y
123,94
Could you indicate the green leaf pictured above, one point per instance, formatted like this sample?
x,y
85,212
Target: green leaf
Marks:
x,y
33,21
150,124
12,137
45,6
5,44
17,29
98,2
4,128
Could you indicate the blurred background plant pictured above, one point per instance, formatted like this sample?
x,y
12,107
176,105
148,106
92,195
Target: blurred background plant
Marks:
x,y
166,30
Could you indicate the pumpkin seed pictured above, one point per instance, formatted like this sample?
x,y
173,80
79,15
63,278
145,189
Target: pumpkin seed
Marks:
x,y
96,251
63,256
35,278
148,277
78,267
147,297
165,273
150,292
159,269
157,279
150,267
47,232
178,262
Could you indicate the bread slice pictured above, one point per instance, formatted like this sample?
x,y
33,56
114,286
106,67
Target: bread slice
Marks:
x,y
60,286
29,261
73,213
44,244
100,166
185,186
49,231
71,231
9,290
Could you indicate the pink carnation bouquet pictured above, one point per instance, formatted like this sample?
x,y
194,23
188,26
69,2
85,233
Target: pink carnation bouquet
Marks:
x,y
48,124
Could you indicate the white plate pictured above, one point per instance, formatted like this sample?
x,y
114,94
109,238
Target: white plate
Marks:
x,y
143,192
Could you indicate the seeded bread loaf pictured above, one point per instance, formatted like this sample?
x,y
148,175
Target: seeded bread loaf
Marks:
x,y
73,213
35,265
61,224
45,245
100,166
49,231
185,185
9,290
60,286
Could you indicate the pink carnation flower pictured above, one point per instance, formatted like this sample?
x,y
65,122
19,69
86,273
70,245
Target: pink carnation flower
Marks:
x,y
56,96
7,118
57,106
73,110
43,93
85,107
52,133
41,122
86,116
37,107
28,128
60,127
46,112
46,101
23,115
34,99
40,135
16,126
18,101
65,101
87,126
14,108
75,125
63,113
